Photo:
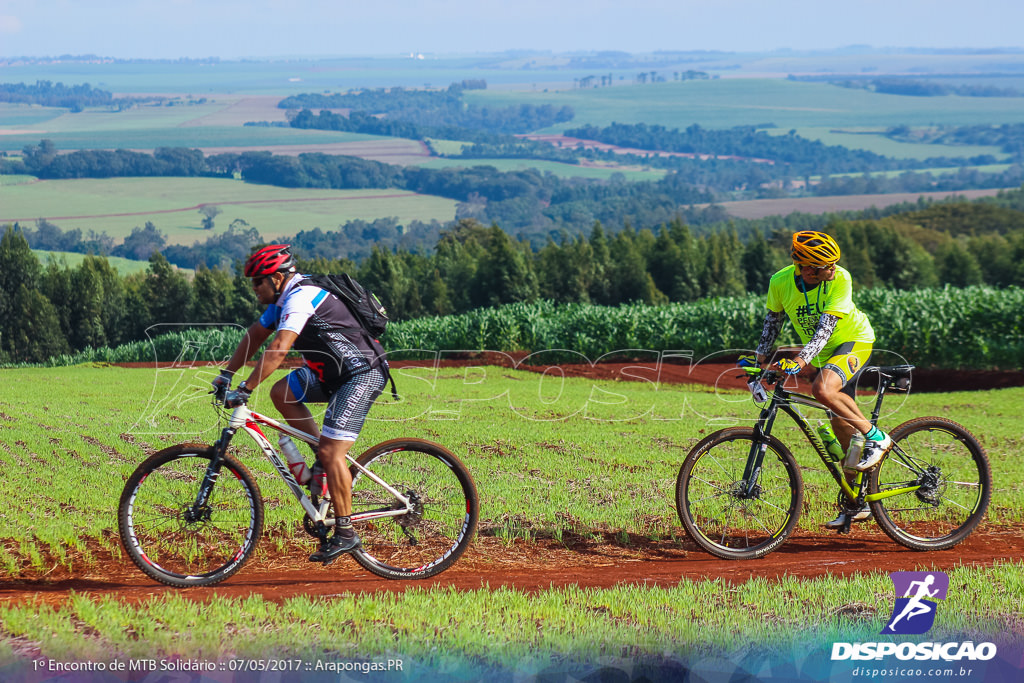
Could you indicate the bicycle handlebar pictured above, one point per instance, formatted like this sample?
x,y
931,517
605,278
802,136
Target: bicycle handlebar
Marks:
x,y
767,376
220,397
219,394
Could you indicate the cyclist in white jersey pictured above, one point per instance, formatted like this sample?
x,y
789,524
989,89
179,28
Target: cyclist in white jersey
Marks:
x,y
343,367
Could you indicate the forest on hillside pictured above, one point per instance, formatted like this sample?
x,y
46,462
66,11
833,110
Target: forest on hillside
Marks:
x,y
54,308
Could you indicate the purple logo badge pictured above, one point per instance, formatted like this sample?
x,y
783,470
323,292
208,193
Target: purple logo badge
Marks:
x,y
916,593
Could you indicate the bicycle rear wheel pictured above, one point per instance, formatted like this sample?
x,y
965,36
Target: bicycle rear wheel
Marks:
x,y
718,511
172,540
952,471
436,533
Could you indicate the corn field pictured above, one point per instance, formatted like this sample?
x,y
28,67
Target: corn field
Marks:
x,y
969,328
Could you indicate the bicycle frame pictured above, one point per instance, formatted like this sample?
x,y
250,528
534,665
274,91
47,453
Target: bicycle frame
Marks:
x,y
789,402
242,418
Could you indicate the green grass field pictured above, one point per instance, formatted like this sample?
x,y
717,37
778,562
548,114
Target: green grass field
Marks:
x,y
111,137
471,635
123,266
116,206
816,110
547,457
874,140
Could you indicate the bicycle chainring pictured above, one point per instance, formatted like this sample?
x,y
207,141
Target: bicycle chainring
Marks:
x,y
308,525
844,504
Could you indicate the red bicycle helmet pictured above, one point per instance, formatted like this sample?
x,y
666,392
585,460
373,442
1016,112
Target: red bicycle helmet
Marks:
x,y
269,260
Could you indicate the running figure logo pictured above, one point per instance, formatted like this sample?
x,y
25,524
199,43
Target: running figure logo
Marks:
x,y
914,612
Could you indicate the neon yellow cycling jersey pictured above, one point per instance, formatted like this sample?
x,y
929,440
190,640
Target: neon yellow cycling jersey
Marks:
x,y
804,309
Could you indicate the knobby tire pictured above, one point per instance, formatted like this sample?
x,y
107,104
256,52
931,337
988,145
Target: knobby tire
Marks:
x,y
957,484
176,545
716,512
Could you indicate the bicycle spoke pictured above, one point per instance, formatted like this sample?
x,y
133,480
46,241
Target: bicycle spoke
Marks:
x,y
951,484
433,531
726,515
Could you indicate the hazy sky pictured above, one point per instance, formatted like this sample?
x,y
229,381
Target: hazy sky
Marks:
x,y
233,28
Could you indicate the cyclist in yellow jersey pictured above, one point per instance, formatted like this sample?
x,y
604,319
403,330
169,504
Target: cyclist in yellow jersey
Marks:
x,y
817,295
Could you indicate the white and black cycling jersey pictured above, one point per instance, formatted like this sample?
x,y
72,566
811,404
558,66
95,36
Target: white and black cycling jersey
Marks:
x,y
330,339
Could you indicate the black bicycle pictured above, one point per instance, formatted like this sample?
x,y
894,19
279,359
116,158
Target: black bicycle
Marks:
x,y
740,493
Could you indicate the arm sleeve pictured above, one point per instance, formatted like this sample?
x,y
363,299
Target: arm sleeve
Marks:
x,y
772,326
826,325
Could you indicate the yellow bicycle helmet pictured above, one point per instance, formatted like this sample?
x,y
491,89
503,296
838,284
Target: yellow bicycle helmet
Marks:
x,y
814,249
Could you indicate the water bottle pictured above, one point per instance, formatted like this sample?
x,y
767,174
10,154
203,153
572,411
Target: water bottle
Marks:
x,y
296,463
856,448
318,487
828,438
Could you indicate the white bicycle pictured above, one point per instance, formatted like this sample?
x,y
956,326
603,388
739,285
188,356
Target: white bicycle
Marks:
x,y
191,514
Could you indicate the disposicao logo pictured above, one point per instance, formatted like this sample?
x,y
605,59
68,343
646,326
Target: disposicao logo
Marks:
x,y
914,614
916,592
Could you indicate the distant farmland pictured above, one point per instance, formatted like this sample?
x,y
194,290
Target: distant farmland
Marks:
x,y
115,206
760,208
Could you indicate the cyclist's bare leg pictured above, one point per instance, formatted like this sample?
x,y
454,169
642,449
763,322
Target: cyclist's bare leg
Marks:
x,y
828,388
339,479
294,412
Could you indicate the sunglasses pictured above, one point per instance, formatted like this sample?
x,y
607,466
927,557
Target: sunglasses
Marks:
x,y
817,270
257,281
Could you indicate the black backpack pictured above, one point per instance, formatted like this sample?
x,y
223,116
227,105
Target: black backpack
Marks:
x,y
366,308
364,304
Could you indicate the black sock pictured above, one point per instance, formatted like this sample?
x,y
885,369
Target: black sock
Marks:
x,y
343,527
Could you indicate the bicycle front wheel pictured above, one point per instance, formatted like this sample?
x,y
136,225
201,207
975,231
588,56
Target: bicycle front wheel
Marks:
x,y
177,540
722,512
427,540
952,480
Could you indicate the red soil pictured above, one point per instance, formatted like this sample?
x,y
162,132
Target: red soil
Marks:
x,y
540,565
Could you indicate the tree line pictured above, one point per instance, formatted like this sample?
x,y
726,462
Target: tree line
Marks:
x,y
50,94
470,124
916,87
419,114
1009,137
795,154
527,201
56,309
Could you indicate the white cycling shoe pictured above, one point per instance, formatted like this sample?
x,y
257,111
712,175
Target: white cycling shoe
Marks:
x,y
861,515
873,453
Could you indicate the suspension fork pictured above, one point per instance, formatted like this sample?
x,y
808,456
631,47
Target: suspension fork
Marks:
x,y
752,471
220,449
